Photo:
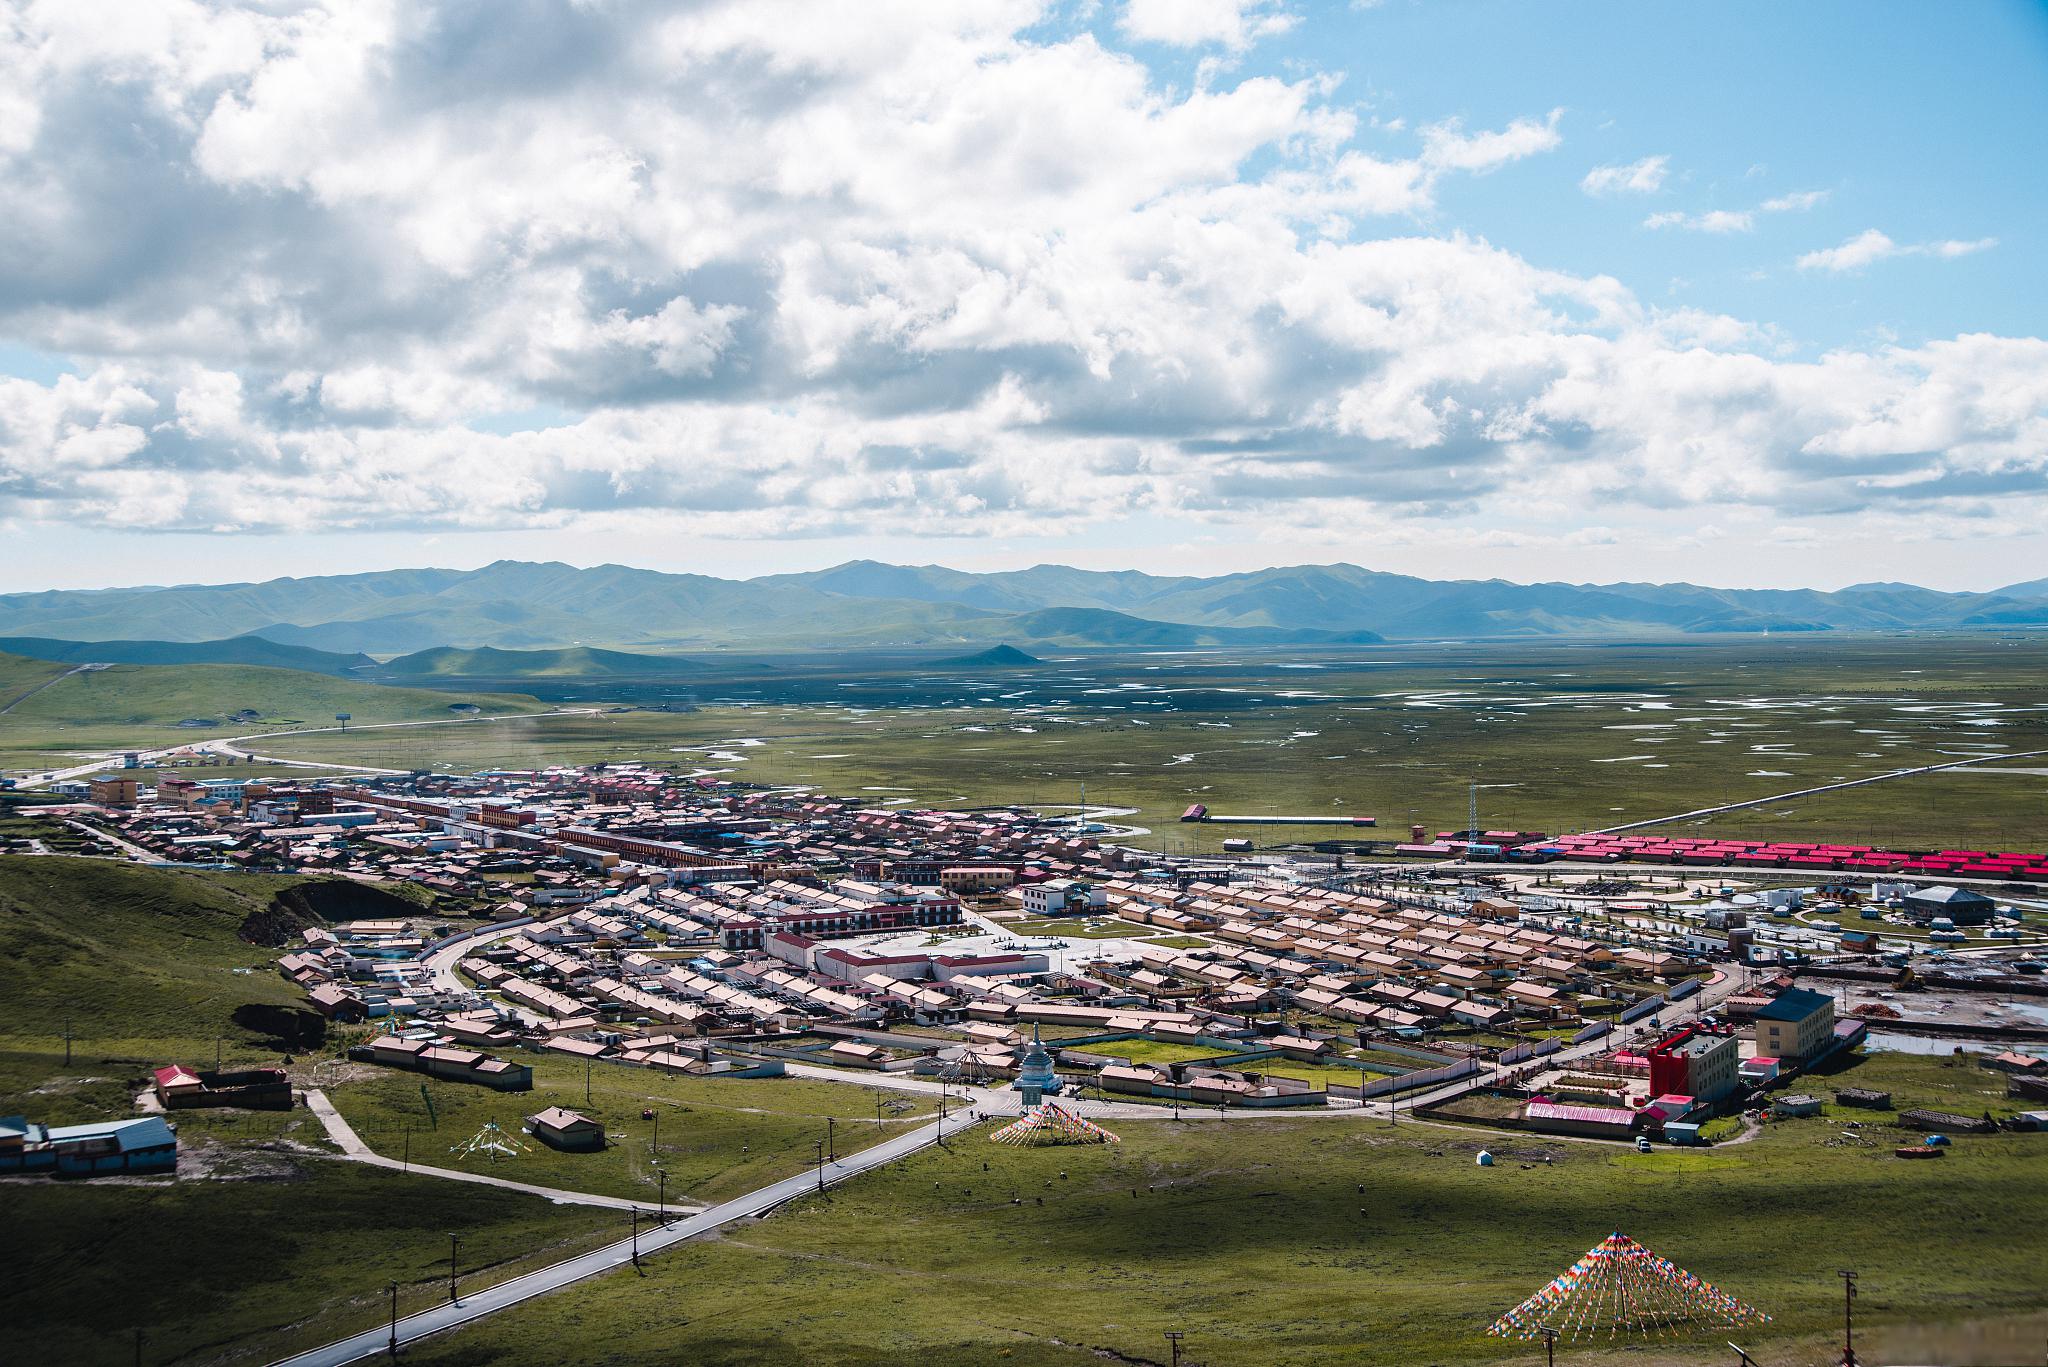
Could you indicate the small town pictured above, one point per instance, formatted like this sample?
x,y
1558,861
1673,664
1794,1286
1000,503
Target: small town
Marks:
x,y
627,914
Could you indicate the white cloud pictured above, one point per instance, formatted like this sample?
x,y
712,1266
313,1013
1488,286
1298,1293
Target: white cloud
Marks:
x,y
1232,24
1797,202
1643,177
1871,246
792,271
1447,146
1713,221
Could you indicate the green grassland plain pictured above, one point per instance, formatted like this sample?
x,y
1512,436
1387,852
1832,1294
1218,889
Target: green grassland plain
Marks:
x,y
139,706
1556,736
719,1138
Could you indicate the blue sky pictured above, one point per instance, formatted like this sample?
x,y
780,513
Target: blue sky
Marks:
x,y
1744,295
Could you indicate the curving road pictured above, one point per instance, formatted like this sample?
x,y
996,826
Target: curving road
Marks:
x,y
80,771
375,1342
355,1150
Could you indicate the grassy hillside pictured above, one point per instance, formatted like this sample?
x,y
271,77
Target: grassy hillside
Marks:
x,y
1298,1242
20,676
128,952
573,662
238,650
139,706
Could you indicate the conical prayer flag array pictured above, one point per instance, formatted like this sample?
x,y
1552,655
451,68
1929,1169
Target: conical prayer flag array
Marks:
x,y
1047,1123
1621,1288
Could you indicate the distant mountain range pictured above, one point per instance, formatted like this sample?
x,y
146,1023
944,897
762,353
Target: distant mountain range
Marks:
x,y
519,605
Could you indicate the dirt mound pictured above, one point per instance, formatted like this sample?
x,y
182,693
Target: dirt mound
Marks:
x,y
323,902
286,1029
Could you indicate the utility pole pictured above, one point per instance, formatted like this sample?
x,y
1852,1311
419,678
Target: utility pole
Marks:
x,y
661,1194
831,1143
1848,1317
405,1163
819,1145
394,1321
657,1129
586,1080
1173,1337
67,1041
636,1236
454,1245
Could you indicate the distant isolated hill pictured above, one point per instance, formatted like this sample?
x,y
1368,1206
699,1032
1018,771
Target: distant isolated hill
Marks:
x,y
1004,656
520,606
578,662
237,650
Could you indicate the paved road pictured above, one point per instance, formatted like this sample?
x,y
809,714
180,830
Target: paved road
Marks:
x,y
23,697
352,1147
441,963
97,765
1808,792
127,847
373,1342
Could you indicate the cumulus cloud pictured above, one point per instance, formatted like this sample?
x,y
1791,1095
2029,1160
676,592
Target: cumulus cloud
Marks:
x,y
1735,220
1713,221
785,271
1233,24
1644,177
1447,146
1797,202
1871,246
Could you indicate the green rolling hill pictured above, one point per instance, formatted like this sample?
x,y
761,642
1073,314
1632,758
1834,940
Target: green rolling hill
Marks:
x,y
143,706
126,952
235,650
578,662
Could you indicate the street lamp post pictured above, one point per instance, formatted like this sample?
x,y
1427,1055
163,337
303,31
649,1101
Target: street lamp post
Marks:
x,y
394,1321
819,1145
636,1236
1549,1345
1848,1317
661,1195
454,1247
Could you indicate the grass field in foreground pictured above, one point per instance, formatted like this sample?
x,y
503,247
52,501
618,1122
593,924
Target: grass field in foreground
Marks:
x,y
292,1252
719,1138
1254,1237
